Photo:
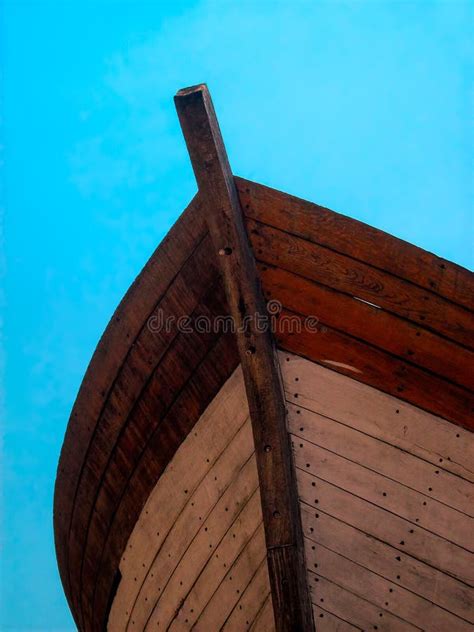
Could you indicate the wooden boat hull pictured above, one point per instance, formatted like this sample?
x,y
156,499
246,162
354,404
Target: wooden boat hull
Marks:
x,y
161,520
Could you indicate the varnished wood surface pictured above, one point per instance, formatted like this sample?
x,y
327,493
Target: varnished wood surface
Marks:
x,y
356,278
387,497
372,366
110,354
142,394
393,316
358,241
196,557
144,391
281,519
401,338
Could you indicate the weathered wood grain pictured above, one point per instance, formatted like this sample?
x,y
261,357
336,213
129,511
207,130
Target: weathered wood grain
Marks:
x,y
259,363
358,241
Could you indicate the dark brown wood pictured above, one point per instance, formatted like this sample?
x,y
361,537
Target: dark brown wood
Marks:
x,y
376,327
356,278
142,394
164,385
357,240
114,346
90,494
291,603
185,411
364,363
150,351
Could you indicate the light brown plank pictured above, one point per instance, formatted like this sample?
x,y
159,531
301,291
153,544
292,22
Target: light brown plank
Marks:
x,y
356,610
381,592
264,621
328,622
379,415
250,603
380,557
408,538
230,476
219,445
218,426
452,525
234,583
390,461
203,566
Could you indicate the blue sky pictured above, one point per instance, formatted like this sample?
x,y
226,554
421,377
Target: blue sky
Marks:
x,y
362,107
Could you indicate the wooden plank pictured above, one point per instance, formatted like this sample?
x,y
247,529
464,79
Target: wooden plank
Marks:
x,y
234,583
373,367
175,426
396,465
355,278
377,327
264,621
124,326
250,603
360,612
328,622
208,579
210,437
188,351
357,240
410,540
140,379
259,363
193,541
446,446
381,592
219,438
379,557
443,520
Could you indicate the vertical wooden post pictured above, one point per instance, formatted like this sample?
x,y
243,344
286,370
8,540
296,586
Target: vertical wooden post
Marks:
x,y
280,507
